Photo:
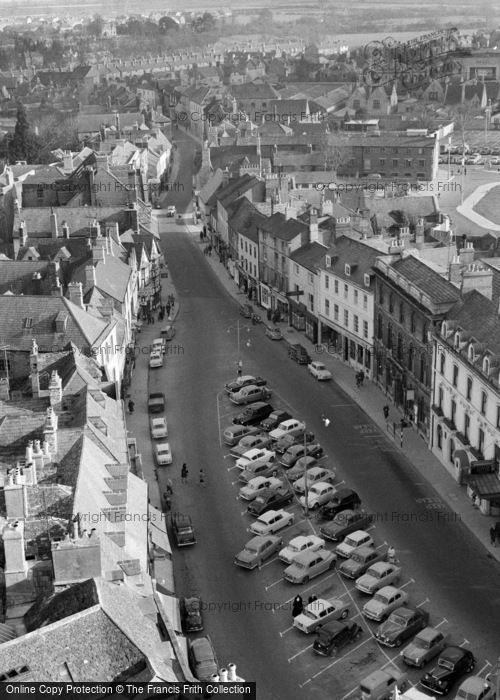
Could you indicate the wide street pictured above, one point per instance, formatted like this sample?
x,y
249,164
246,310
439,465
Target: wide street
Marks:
x,y
444,571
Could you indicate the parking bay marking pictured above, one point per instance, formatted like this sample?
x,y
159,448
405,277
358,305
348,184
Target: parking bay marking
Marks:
x,y
310,646
341,658
333,573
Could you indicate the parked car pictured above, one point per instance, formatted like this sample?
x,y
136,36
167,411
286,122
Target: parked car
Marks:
x,y
183,530
299,544
313,476
299,354
453,663
345,522
250,442
294,437
401,624
158,428
302,465
274,420
254,457
427,644
250,394
476,688
257,484
202,658
308,565
234,433
295,452
274,333
331,637
271,522
380,684
257,550
384,602
377,576
258,469
156,359
270,499
244,380
171,210
246,310
191,615
156,402
360,560
285,427
167,333
253,414
319,612
343,499
318,494
319,371
356,539
163,454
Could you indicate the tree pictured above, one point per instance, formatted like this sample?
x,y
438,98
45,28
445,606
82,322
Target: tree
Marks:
x,y
167,24
96,26
23,144
463,116
204,23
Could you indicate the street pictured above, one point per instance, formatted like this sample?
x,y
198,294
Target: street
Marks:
x,y
247,613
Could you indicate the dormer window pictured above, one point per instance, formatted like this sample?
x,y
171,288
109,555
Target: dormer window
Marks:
x,y
471,353
328,260
366,279
444,329
457,341
347,270
486,365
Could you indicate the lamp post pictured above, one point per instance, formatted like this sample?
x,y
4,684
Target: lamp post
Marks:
x,y
326,422
239,362
487,115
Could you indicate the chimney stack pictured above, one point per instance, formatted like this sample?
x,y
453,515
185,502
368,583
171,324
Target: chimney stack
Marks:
x,y
419,233
50,430
34,374
313,226
455,271
65,230
467,253
53,225
75,291
23,234
55,389
479,278
90,278
68,166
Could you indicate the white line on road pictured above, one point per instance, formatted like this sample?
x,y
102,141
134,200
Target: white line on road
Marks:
x,y
466,641
287,630
309,588
423,603
325,668
299,653
484,668
268,562
443,621
274,583
412,580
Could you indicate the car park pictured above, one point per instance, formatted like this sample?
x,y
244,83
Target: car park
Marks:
x,y
285,427
313,476
294,437
183,530
453,663
331,637
158,428
427,644
250,394
295,452
301,466
262,469
270,499
274,420
202,658
301,543
356,539
234,433
476,688
244,380
156,359
360,560
274,333
271,522
344,523
343,499
253,414
299,354
251,490
250,442
318,494
254,457
156,402
380,574
163,454
401,624
319,612
319,371
384,602
257,550
308,565
191,615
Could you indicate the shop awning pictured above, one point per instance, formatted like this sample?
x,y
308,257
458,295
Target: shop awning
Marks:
x,y
486,486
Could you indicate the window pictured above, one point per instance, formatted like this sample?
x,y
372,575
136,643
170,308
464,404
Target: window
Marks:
x,y
484,401
442,363
411,358
391,303
440,397
336,312
394,162
471,353
382,162
3,366
453,412
327,282
466,425
347,270
365,329
356,324
454,380
356,296
413,324
389,337
469,388
480,440
296,269
366,280
381,295
400,347
310,278
439,433
328,260
498,416
346,291
456,342
425,333
327,307
486,365
346,318
433,97
401,313
356,104
376,104
365,301
336,286
421,163
311,302
380,327
408,163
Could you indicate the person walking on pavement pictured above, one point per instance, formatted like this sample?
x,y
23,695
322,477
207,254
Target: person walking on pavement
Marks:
x,y
170,489
184,473
297,606
240,368
131,405
386,411
167,308
493,536
202,477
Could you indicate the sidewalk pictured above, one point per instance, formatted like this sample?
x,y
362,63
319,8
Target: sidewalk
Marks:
x,y
372,400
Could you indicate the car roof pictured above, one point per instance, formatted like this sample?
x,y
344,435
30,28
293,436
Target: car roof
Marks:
x,y
379,565
270,514
305,557
403,611
358,534
473,684
332,628
300,539
260,539
389,590
320,485
428,633
453,653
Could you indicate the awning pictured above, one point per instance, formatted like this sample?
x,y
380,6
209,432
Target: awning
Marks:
x,y
462,457
486,486
170,605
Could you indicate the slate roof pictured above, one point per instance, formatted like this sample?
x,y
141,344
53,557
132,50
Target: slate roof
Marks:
x,y
91,123
253,90
284,229
359,256
309,255
224,156
18,276
477,315
426,279
79,219
244,218
112,277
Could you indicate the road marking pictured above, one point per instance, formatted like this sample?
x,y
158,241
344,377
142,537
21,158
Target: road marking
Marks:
x,y
349,651
339,405
309,588
262,566
423,603
443,621
287,630
484,668
299,653
274,583
466,641
412,580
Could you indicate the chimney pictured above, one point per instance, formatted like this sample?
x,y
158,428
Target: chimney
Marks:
x,y
313,226
225,176
231,669
34,374
467,253
90,278
56,290
4,389
29,452
455,271
479,278
75,290
65,230
68,166
55,389
53,224
99,253
419,233
23,234
107,307
15,562
50,430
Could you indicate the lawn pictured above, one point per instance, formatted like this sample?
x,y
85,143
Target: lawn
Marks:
x,y
489,205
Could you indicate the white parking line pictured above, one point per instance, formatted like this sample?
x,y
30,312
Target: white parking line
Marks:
x,y
326,668
423,603
351,692
310,646
411,580
486,665
269,562
274,583
287,630
309,588
443,621
466,641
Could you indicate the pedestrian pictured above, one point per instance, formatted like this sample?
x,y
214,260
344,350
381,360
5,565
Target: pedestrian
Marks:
x,y
269,314
204,231
168,504
386,411
358,380
202,477
240,368
297,606
402,423
493,536
167,309
184,473
131,405
391,555
201,235
170,489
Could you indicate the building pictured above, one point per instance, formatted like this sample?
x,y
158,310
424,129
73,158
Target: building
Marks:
x,y
243,223
304,278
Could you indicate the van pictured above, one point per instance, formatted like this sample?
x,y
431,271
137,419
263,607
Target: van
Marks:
x,y
299,354
380,685
167,333
233,433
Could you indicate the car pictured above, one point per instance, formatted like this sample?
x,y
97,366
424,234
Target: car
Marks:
x,y
343,499
159,345
251,490
156,402
295,452
183,530
285,427
319,371
308,565
244,380
271,522
299,354
380,574
274,420
163,454
246,310
299,544
360,560
302,465
313,476
191,615
476,688
234,433
384,602
171,210
158,428
167,334
319,493
156,359
257,550
332,637
453,663
250,442
253,414
427,644
259,469
319,612
202,658
356,539
270,499
274,333
345,522
294,437
381,684
401,624
250,394
256,456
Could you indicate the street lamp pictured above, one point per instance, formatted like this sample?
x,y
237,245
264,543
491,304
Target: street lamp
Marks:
x,y
487,113
326,422
247,344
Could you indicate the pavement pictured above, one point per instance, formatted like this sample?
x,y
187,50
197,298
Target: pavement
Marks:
x,y
372,400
